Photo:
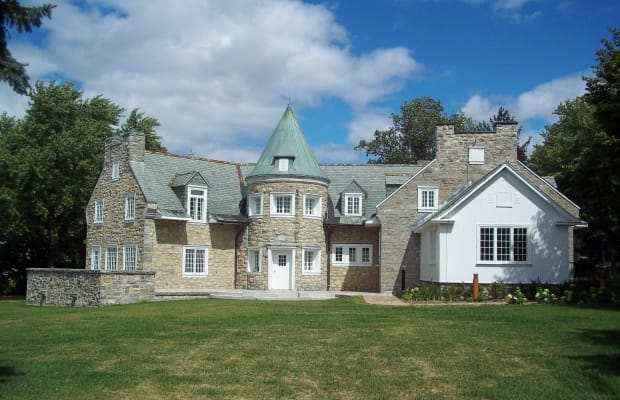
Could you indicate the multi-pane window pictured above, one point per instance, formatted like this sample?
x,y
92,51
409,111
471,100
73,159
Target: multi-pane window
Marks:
x,y
254,261
311,261
95,258
98,211
365,254
427,198
353,204
255,204
338,254
283,204
197,204
130,257
312,205
195,260
116,169
352,254
130,206
111,258
502,244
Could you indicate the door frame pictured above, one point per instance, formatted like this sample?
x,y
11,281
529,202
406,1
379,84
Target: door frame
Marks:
x,y
291,251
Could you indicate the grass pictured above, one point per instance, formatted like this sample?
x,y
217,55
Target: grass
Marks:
x,y
337,349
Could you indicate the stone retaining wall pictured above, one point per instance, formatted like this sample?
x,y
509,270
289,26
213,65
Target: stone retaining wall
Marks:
x,y
86,288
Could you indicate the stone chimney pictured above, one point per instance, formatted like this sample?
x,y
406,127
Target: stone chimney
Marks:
x,y
467,156
129,146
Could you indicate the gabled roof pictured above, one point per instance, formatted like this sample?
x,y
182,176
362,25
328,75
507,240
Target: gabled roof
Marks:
x,y
370,177
189,178
155,177
354,187
468,191
288,141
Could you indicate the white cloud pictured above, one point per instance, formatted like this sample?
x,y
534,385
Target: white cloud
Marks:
x,y
479,108
539,102
336,153
542,100
213,72
366,123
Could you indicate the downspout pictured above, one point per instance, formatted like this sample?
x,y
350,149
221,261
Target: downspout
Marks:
x,y
237,235
328,255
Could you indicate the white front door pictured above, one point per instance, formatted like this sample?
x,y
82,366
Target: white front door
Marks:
x,y
280,269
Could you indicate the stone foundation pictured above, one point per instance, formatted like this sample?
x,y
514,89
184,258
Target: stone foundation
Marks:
x,y
86,288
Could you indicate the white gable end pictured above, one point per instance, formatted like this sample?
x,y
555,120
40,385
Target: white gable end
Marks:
x,y
504,230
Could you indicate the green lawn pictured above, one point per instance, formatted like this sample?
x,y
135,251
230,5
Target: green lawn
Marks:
x,y
337,349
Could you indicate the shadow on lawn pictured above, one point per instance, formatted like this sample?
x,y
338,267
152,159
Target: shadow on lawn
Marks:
x,y
607,361
7,372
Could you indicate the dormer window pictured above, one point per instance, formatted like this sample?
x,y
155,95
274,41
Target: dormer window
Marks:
x,y
353,204
197,203
282,164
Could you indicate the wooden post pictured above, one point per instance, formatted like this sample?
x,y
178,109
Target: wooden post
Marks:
x,y
475,288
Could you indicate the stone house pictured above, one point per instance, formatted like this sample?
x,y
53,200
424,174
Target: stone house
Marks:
x,y
288,222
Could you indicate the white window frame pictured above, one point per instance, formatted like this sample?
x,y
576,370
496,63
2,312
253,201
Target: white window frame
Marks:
x,y
98,212
130,257
346,249
205,263
316,210
423,196
202,198
283,164
352,197
130,206
111,263
475,155
509,250
95,257
116,169
252,211
311,266
254,261
273,207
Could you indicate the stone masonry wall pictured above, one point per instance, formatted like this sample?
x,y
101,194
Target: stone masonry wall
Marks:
x,y
115,230
168,241
400,248
296,232
355,278
85,288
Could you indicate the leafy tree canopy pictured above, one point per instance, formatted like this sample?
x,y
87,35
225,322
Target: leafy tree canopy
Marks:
x,y
603,89
412,135
13,15
49,163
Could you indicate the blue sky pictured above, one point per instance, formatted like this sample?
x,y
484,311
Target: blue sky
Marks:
x,y
218,75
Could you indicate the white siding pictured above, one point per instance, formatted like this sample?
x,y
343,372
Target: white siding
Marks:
x,y
458,256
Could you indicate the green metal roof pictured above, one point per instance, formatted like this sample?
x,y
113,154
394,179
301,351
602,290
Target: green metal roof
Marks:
x,y
288,141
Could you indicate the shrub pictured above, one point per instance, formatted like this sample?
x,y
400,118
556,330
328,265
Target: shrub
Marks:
x,y
545,296
517,297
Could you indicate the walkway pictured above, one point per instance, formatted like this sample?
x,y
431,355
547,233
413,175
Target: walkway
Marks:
x,y
288,295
